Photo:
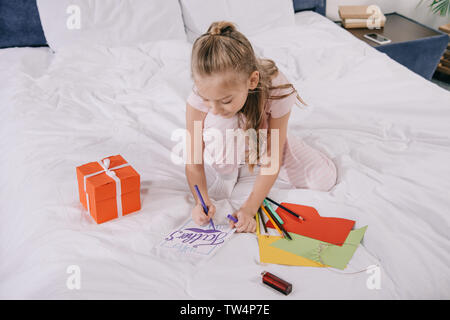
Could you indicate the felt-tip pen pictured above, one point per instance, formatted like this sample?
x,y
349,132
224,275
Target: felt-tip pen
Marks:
x,y
205,208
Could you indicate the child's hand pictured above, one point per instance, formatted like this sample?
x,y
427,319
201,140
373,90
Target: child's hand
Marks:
x,y
246,221
199,216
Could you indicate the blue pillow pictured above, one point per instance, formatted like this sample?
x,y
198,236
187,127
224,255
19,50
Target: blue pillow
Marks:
x,y
20,25
314,5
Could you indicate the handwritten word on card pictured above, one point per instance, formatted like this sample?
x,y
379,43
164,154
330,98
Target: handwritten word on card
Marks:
x,y
191,239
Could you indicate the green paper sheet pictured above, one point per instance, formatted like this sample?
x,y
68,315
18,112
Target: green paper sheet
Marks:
x,y
323,252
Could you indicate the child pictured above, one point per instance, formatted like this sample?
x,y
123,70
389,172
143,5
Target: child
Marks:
x,y
234,89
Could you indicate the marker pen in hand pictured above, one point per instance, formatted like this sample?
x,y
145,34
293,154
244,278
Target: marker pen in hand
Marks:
x,y
232,218
205,208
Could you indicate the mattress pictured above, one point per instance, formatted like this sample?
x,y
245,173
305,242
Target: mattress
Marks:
x,y
385,127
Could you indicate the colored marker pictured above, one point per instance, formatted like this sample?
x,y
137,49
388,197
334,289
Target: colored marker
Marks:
x,y
285,209
205,208
284,232
232,218
271,220
267,205
262,219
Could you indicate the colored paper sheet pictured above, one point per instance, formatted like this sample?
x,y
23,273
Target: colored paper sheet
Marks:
x,y
327,229
270,254
322,252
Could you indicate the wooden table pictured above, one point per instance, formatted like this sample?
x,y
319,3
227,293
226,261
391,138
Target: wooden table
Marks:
x,y
413,44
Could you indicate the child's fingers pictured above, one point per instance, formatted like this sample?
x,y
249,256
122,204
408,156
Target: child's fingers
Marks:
x,y
205,218
211,211
198,220
231,223
239,224
243,227
200,217
252,227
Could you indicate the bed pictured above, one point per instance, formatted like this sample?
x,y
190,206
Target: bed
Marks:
x,y
386,128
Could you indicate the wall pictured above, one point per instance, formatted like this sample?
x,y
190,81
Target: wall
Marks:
x,y
422,13
407,8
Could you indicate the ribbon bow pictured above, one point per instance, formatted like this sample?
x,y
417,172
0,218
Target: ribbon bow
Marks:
x,y
106,169
105,165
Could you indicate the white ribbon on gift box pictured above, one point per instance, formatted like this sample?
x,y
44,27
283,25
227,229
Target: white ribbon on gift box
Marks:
x,y
105,165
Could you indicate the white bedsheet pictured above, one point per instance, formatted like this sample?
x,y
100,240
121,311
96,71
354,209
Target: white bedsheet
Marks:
x,y
386,128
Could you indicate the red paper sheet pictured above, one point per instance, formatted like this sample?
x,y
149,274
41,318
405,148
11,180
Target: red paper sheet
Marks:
x,y
331,230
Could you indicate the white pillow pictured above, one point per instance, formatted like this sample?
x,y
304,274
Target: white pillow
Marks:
x,y
109,22
250,16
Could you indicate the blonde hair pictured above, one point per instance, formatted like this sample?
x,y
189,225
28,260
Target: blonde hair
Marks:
x,y
222,49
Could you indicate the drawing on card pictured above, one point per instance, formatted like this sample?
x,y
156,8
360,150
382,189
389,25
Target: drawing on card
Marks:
x,y
191,239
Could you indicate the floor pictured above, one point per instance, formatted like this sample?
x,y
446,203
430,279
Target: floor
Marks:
x,y
441,80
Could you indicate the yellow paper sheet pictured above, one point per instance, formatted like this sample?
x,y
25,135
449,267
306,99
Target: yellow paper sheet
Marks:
x,y
268,254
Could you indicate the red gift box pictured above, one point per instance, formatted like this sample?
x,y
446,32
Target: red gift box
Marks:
x,y
109,188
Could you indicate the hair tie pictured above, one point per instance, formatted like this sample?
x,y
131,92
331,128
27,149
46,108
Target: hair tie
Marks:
x,y
212,34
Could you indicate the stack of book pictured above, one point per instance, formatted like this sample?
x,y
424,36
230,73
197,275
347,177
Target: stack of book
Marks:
x,y
369,17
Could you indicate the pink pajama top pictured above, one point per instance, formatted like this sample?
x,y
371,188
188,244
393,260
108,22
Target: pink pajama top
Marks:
x,y
274,108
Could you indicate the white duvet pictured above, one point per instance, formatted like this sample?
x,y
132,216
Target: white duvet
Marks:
x,y
386,128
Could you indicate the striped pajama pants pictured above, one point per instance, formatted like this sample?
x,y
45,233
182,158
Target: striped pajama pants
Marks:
x,y
303,167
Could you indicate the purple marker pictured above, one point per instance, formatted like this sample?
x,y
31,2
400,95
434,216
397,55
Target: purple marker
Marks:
x,y
232,218
205,208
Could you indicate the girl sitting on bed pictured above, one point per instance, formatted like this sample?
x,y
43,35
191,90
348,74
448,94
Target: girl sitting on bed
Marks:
x,y
233,89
